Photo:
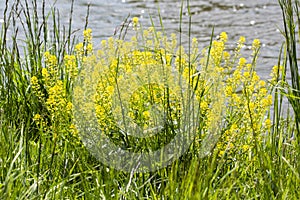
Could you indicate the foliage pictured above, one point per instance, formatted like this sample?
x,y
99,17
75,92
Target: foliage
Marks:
x,y
253,150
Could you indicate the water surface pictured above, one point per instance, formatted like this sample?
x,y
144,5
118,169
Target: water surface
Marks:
x,y
253,19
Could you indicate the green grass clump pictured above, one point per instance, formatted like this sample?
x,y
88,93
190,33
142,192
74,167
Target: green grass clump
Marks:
x,y
241,149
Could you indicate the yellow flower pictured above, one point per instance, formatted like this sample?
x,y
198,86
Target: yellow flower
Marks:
x,y
50,59
242,62
228,91
89,48
233,127
267,101
252,106
45,73
262,83
223,37
245,147
146,114
34,81
237,76
221,153
110,89
217,51
275,73
247,75
57,98
256,44
79,51
236,100
242,40
226,55
255,77
135,21
36,117
263,91
79,47
69,106
203,106
71,65
87,35
73,130
268,123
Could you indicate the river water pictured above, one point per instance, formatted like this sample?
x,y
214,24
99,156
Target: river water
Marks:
x,y
260,19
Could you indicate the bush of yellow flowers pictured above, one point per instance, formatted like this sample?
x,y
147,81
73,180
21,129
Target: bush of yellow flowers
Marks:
x,y
141,90
139,85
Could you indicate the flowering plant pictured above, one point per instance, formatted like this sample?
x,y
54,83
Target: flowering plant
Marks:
x,y
149,87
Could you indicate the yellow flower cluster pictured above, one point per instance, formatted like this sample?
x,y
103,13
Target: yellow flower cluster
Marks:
x,y
52,92
148,75
255,45
79,49
35,85
84,48
233,98
248,101
87,35
275,74
71,66
217,49
57,101
51,62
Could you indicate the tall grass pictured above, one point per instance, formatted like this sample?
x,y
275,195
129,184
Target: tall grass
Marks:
x,y
42,157
291,20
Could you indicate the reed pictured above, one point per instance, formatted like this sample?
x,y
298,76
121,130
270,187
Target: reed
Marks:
x,y
291,20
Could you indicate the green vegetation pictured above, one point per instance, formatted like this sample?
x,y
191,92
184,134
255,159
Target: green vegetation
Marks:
x,y
244,147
